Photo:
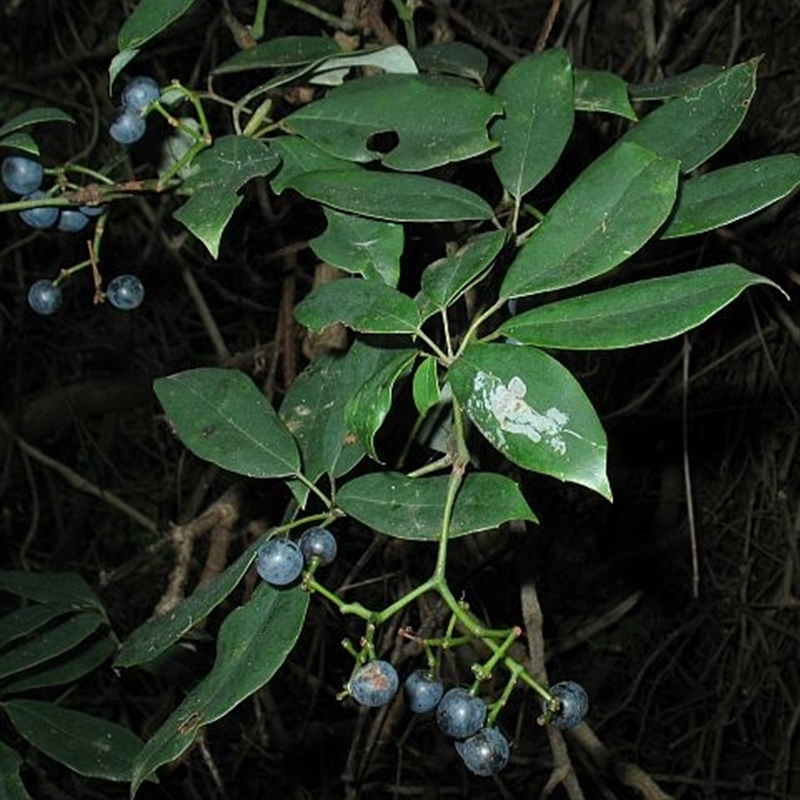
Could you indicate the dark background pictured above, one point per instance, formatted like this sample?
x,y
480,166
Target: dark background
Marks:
x,y
702,691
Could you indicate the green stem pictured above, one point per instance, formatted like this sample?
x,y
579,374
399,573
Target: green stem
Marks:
x,y
330,19
477,322
257,28
438,352
313,488
406,14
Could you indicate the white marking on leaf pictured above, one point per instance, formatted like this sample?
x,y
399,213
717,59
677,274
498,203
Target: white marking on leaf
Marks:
x,y
506,403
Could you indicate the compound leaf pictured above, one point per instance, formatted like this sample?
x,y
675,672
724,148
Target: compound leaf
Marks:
x,y
221,417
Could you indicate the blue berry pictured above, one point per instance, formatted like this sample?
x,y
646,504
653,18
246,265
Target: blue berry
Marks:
x,y
126,126
39,217
92,211
22,175
319,544
44,297
460,714
125,292
485,753
374,684
139,93
72,220
279,562
422,691
572,707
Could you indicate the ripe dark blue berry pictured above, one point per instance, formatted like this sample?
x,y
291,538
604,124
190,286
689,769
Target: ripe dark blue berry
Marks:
x,y
422,691
125,292
44,297
22,175
92,211
485,753
39,216
71,220
319,544
279,562
460,714
374,684
126,126
574,703
139,93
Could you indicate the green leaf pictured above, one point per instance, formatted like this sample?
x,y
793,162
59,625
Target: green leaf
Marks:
x,y
66,591
726,195
221,171
286,51
253,642
21,141
697,124
368,247
49,643
412,508
531,409
447,279
453,58
538,97
333,70
392,196
638,313
66,670
87,745
605,216
676,85
367,409
149,18
345,122
11,787
158,634
299,156
34,116
425,386
25,620
118,63
220,416
314,407
367,306
598,90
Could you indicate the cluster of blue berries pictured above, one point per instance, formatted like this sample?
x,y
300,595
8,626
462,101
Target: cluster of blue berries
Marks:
x,y
128,123
280,561
460,714
124,292
24,176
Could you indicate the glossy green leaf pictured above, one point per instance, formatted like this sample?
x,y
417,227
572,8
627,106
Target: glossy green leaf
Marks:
x,y
25,620
412,508
11,787
299,156
286,51
87,745
49,643
221,171
368,247
21,141
531,409
726,195
64,670
392,196
221,417
697,124
453,58
675,85
392,59
118,63
149,18
66,591
605,216
538,99
367,408
346,121
598,90
34,116
156,635
367,306
314,407
445,280
253,642
425,386
637,313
